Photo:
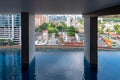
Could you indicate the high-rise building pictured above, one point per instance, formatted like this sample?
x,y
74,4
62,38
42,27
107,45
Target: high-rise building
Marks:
x,y
10,27
57,18
40,19
70,20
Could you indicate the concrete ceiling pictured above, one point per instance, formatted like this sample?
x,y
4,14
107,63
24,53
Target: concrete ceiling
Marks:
x,y
55,6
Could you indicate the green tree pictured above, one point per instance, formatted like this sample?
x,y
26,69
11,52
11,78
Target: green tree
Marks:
x,y
51,30
71,33
59,28
72,30
101,30
10,42
62,27
51,24
42,27
117,28
108,30
2,41
56,34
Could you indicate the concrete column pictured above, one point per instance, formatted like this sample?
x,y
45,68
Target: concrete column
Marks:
x,y
90,50
28,47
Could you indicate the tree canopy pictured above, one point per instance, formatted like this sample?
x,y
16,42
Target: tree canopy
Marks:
x,y
117,28
72,30
54,28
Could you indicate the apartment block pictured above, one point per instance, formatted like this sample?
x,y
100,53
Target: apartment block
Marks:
x,y
10,27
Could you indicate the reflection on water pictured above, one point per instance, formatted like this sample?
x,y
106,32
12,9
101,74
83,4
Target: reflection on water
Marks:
x,y
59,65
68,65
10,65
108,65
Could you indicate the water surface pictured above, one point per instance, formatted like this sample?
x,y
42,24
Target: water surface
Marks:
x,y
59,65
10,64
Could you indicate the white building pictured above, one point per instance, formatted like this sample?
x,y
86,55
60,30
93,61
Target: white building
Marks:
x,y
65,38
10,27
43,39
72,20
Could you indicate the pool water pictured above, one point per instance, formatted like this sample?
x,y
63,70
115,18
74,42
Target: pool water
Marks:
x,y
10,65
59,65
108,65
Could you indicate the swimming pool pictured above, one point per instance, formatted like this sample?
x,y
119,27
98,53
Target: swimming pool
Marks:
x,y
10,65
59,65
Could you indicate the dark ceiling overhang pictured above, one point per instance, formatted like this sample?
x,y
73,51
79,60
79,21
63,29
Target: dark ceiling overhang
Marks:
x,y
114,10
55,6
